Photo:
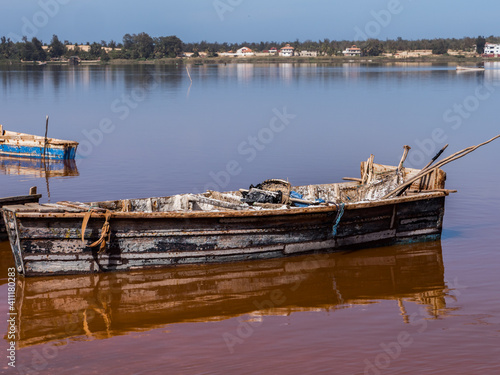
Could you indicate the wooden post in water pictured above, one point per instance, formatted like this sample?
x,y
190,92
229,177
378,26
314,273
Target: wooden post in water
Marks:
x,y
46,131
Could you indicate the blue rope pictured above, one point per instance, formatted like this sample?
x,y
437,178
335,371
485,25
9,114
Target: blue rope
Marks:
x,y
340,212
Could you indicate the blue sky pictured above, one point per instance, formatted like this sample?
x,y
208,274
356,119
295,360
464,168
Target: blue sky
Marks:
x,y
248,20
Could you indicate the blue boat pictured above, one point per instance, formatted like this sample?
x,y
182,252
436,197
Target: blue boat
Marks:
x,y
34,146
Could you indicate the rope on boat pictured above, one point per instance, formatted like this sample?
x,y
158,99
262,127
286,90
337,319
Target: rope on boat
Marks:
x,y
340,212
105,231
105,234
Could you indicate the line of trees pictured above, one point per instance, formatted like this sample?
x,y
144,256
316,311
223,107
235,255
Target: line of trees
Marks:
x,y
143,46
140,46
32,50
370,47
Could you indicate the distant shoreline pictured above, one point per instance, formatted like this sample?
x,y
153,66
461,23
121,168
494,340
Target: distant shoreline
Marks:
x,y
274,59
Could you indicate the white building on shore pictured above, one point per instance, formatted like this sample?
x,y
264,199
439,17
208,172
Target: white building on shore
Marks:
x,y
242,52
352,51
491,50
287,51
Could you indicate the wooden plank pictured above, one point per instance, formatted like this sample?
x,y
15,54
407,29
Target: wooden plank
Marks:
x,y
18,208
309,246
64,208
419,232
80,207
171,254
15,139
353,229
217,203
414,220
352,179
21,198
44,268
67,233
366,238
153,245
35,207
23,137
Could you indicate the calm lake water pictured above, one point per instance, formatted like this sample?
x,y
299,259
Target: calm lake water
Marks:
x,y
148,130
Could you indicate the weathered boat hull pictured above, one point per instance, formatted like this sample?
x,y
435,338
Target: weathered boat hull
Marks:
x,y
32,146
53,152
50,243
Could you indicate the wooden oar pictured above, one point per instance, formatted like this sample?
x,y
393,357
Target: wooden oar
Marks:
x,y
436,156
427,166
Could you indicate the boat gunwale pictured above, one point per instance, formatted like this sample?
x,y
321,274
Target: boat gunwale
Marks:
x,y
8,201
226,214
11,137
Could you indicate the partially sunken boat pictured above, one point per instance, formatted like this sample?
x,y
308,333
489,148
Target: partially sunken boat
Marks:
x,y
34,146
386,206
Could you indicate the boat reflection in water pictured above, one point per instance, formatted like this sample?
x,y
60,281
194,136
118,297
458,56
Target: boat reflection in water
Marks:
x,y
38,168
103,305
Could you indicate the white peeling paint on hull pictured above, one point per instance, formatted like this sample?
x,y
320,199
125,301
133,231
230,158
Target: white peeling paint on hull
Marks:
x,y
43,265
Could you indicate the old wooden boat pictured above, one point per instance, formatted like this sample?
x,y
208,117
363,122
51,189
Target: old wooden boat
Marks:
x,y
34,146
72,238
99,306
33,197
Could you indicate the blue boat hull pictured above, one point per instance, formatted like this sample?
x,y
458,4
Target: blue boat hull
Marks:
x,y
51,152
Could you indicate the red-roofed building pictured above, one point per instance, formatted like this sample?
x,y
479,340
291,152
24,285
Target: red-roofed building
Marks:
x,y
353,51
287,51
245,51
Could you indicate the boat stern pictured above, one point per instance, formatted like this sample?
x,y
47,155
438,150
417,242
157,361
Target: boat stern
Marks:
x,y
12,226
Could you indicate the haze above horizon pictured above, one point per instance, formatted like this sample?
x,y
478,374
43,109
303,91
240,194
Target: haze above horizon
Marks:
x,y
247,20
